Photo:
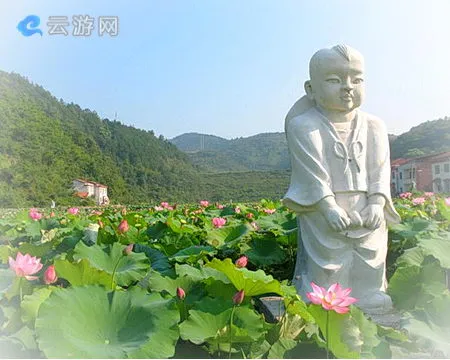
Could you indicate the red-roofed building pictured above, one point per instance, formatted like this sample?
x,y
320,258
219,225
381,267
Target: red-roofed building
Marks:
x,y
91,189
423,173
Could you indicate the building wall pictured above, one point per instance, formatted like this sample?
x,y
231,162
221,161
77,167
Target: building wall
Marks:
x,y
83,187
441,175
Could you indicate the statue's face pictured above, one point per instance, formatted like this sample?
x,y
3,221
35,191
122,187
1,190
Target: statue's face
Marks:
x,y
338,84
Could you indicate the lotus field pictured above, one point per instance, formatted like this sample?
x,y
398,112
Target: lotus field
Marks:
x,y
172,281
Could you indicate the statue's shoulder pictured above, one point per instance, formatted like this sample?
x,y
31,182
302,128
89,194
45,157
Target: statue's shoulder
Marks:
x,y
306,121
373,122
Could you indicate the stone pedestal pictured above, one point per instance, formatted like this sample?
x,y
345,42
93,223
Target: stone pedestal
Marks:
x,y
272,307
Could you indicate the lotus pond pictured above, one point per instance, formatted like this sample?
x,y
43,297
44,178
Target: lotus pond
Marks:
x,y
171,281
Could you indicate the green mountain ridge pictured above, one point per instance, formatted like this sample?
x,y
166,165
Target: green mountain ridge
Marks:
x,y
269,152
46,143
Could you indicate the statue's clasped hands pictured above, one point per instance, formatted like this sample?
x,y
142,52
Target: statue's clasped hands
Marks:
x,y
371,217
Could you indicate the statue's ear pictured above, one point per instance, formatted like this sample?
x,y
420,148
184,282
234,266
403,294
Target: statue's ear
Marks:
x,y
308,90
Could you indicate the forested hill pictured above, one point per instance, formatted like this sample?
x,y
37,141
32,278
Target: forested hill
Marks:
x,y
268,151
427,138
46,143
262,152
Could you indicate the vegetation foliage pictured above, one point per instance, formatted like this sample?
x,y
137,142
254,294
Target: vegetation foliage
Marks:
x,y
113,300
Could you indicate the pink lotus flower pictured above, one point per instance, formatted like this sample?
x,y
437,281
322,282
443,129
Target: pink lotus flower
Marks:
x,y
447,201
255,225
25,265
204,203
159,208
249,215
269,211
238,297
335,298
181,294
164,204
72,210
428,194
218,222
241,262
50,275
96,212
52,214
418,201
220,206
35,214
237,210
100,223
405,195
123,226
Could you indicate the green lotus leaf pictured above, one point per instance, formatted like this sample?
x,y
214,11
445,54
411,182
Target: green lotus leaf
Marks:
x,y
214,328
337,324
6,280
437,336
193,253
280,347
200,274
278,222
81,273
39,250
5,253
31,303
90,322
252,282
438,246
413,286
156,282
127,268
413,256
266,252
201,327
218,289
158,260
219,237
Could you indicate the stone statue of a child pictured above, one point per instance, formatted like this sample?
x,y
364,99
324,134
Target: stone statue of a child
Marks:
x,y
340,182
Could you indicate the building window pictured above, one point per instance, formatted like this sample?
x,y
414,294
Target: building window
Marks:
x,y
437,169
401,175
446,167
414,173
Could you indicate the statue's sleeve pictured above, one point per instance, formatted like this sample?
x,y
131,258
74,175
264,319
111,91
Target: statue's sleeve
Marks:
x,y
310,181
379,166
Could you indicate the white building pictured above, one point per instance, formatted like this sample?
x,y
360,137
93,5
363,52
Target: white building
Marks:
x,y
86,188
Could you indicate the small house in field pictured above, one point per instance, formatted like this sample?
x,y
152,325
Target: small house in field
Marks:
x,y
91,189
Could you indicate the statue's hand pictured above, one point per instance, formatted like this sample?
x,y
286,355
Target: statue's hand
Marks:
x,y
372,216
337,218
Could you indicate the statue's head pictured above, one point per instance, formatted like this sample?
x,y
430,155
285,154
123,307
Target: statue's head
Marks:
x,y
336,79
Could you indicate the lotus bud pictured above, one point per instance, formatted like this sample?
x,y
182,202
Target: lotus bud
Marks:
x,y
123,226
238,297
128,250
242,262
180,293
50,275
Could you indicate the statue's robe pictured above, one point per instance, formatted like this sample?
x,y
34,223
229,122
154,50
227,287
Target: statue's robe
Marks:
x,y
322,165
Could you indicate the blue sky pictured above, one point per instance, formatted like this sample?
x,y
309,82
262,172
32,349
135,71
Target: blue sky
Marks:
x,y
232,68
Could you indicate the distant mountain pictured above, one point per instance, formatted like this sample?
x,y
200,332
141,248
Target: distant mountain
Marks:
x,y
269,152
193,142
262,152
